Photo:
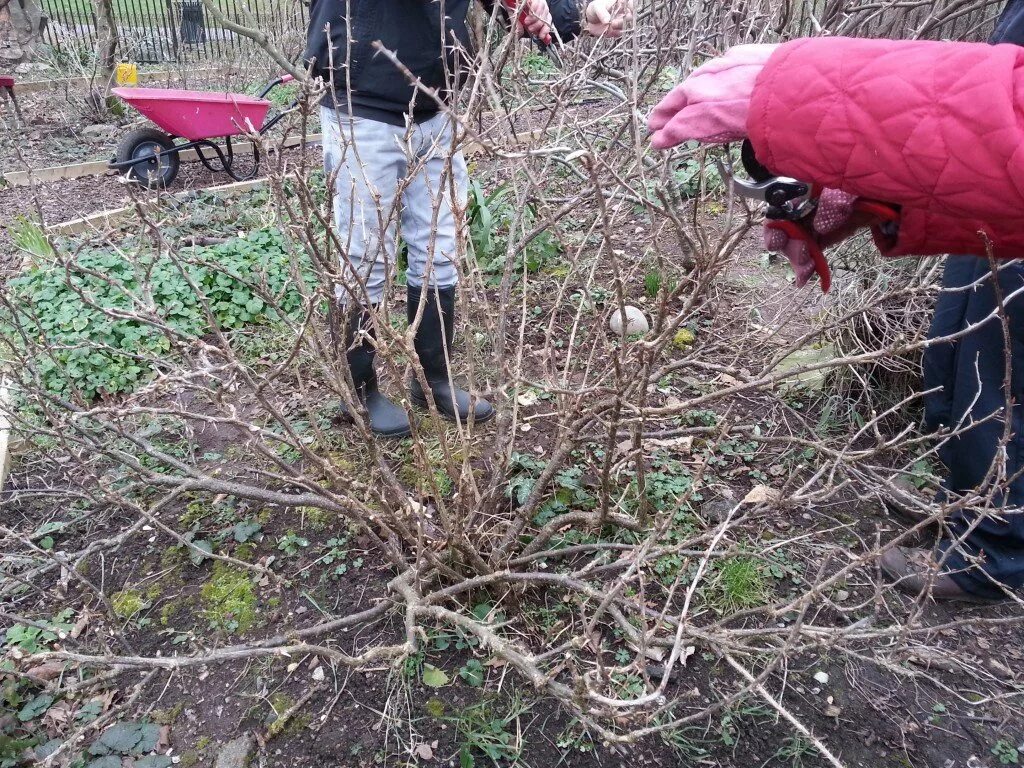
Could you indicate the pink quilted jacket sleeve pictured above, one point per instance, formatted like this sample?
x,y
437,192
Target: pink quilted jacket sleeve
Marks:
x,y
936,127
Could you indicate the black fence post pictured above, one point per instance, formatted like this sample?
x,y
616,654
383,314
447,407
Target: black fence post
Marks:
x,y
172,28
193,22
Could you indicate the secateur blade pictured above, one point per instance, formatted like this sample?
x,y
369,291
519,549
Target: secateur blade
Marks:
x,y
790,204
786,198
551,51
753,168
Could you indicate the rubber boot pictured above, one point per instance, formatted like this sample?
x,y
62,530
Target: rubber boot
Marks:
x,y
433,339
386,418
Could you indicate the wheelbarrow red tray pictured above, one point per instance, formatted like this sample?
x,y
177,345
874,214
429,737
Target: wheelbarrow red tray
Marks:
x,y
152,156
197,115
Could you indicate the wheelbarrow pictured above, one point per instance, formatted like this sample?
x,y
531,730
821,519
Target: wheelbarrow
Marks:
x,y
152,157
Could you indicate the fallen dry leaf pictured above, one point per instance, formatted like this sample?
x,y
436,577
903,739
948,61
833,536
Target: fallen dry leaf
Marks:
x,y
527,398
680,444
761,494
80,626
423,752
57,716
46,672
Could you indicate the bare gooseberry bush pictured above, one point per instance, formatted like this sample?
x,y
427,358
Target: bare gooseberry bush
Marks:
x,y
639,504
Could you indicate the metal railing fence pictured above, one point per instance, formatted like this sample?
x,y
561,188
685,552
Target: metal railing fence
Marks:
x,y
159,31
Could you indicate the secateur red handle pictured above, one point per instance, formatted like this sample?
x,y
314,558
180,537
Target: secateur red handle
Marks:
x,y
879,210
524,16
795,230
803,230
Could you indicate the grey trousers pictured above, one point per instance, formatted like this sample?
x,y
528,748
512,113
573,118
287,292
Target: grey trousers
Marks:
x,y
390,181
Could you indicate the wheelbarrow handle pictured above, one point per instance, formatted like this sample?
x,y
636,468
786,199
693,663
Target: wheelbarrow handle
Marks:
x,y
274,83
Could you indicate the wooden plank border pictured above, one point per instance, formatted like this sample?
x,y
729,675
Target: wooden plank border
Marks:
x,y
55,173
100,167
6,400
160,76
103,219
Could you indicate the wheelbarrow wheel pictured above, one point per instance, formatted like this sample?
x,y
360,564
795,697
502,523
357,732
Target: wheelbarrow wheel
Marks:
x,y
157,162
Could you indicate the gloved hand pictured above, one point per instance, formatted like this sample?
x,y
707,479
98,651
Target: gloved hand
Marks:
x,y
534,20
835,219
608,17
712,104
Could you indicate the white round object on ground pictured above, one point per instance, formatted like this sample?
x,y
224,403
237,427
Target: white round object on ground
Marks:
x,y
636,322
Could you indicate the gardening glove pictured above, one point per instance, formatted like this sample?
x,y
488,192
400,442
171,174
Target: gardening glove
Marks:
x,y
835,219
712,104
534,18
608,18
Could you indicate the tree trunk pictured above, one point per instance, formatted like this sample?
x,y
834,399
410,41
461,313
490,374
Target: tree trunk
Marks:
x,y
21,26
106,55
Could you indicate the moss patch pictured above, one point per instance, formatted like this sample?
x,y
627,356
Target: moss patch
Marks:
x,y
127,603
280,724
229,599
316,518
173,557
195,512
426,479
167,716
683,338
168,611
153,591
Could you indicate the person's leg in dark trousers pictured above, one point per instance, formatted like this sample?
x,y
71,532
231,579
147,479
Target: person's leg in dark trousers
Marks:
x,y
983,551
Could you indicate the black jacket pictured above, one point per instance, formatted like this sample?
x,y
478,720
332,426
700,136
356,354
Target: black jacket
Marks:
x,y
414,29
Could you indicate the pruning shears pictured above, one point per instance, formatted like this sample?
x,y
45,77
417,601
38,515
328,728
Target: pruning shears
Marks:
x,y
791,204
544,43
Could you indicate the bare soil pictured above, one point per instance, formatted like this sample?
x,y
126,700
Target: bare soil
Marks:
x,y
921,711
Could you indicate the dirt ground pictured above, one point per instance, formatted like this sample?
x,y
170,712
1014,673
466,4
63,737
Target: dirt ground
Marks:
x,y
923,711
952,701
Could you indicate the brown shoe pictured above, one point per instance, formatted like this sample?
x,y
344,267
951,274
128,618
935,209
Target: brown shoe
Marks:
x,y
902,507
913,571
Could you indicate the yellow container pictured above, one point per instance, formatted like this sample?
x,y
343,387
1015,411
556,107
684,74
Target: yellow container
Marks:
x,y
127,74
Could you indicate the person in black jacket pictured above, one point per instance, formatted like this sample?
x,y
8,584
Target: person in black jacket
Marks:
x,y
389,156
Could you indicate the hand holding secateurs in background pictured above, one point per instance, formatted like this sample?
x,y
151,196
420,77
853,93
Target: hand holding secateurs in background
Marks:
x,y
534,19
606,18
712,106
